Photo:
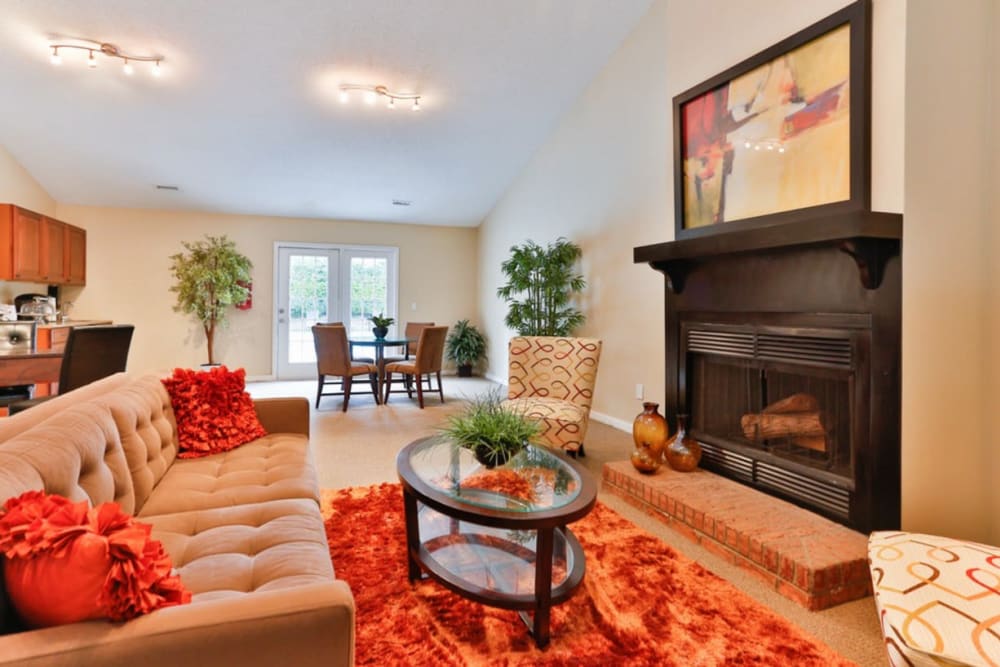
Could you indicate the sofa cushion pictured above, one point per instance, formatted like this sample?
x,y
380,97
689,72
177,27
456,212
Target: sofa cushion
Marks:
x,y
232,551
214,413
76,454
269,468
144,419
68,562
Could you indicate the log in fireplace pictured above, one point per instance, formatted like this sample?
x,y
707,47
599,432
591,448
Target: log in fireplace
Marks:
x,y
783,345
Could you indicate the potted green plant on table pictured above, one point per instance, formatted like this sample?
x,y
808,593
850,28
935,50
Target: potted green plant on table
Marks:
x,y
540,287
465,346
382,324
491,431
211,276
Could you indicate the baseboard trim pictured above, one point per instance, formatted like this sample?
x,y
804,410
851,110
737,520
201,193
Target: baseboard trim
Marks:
x,y
494,378
613,422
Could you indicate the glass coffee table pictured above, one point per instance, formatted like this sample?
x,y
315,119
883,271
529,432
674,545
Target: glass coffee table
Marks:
x,y
497,536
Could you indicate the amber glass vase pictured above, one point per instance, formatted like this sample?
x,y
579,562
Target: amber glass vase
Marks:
x,y
683,452
649,431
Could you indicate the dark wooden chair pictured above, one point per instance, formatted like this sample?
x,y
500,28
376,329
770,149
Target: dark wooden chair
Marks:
x,y
334,365
425,365
91,353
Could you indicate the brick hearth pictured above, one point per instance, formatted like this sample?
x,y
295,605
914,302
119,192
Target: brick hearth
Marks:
x,y
803,556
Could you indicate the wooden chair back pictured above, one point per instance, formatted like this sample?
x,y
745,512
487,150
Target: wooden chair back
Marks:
x,y
333,354
430,349
413,330
92,353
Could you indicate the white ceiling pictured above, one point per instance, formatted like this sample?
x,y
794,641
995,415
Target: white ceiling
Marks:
x,y
247,118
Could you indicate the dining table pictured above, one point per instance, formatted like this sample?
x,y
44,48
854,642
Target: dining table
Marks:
x,y
379,344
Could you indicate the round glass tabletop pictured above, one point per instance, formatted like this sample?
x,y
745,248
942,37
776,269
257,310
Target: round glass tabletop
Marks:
x,y
532,481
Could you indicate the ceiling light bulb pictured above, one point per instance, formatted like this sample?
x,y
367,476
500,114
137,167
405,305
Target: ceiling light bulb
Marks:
x,y
391,104
156,69
127,67
370,96
345,96
416,104
56,58
91,61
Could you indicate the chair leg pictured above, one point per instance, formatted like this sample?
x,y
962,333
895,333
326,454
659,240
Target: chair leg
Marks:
x,y
348,381
388,388
409,384
319,389
373,381
440,388
420,391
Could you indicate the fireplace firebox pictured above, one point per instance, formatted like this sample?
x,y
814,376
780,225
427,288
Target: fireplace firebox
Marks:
x,y
782,344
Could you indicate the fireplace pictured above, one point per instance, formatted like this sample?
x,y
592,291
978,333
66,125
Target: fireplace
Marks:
x,y
782,344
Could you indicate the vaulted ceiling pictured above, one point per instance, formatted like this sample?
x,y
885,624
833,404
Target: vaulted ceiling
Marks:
x,y
246,118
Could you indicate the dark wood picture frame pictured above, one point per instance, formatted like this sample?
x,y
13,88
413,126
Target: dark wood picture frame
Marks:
x,y
858,17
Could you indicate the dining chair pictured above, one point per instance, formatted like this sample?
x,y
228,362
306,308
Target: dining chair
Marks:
x,y
16,338
551,379
364,360
91,353
334,364
412,330
426,363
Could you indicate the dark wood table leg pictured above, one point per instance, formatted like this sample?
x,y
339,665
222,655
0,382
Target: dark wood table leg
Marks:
x,y
543,586
412,535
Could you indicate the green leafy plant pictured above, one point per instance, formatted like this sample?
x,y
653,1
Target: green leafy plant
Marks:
x,y
540,287
492,431
211,276
380,321
465,346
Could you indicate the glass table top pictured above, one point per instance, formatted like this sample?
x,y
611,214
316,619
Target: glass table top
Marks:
x,y
532,481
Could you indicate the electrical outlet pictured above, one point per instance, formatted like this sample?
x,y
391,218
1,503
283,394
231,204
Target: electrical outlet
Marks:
x,y
638,391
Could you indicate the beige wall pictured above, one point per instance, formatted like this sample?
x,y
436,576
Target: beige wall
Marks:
x,y
128,276
950,329
604,177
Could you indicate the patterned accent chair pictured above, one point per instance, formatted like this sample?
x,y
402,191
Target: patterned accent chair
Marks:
x,y
938,599
552,379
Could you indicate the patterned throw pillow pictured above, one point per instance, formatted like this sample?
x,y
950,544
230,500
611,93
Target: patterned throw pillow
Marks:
x,y
66,562
214,412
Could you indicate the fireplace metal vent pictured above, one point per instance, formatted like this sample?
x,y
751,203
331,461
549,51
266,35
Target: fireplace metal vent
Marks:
x,y
729,343
796,348
816,493
805,349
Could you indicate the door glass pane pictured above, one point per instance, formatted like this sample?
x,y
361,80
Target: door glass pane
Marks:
x,y
369,292
308,284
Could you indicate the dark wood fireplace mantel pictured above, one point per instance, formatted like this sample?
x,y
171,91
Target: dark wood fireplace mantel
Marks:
x,y
869,238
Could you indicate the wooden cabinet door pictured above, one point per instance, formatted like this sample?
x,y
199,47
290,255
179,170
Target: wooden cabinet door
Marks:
x,y
76,255
27,237
54,248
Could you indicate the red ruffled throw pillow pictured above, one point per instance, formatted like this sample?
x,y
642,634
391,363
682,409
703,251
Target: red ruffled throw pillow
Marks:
x,y
66,562
214,412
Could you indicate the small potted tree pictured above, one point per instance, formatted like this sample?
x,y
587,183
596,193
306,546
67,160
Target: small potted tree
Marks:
x,y
211,276
493,432
465,346
541,284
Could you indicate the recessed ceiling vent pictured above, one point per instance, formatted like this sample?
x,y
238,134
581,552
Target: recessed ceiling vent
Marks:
x,y
401,202
172,188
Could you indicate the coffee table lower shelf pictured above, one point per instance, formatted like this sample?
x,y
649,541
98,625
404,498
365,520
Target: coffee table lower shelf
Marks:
x,y
526,570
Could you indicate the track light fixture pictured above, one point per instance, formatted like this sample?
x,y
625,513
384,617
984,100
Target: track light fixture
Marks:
x,y
372,93
110,50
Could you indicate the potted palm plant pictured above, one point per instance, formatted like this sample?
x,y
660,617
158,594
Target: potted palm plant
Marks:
x,y
211,277
491,431
382,324
465,345
540,286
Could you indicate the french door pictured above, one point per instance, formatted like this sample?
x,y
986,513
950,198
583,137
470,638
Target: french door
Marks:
x,y
327,283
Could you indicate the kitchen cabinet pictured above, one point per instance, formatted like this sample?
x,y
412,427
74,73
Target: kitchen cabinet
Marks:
x,y
37,249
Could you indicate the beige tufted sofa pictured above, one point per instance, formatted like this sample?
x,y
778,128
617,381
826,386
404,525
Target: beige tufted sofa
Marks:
x,y
243,529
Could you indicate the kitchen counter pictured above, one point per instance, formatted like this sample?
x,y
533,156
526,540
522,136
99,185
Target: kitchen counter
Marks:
x,y
67,324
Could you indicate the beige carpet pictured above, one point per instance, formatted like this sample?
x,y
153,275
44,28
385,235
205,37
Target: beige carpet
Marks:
x,y
359,447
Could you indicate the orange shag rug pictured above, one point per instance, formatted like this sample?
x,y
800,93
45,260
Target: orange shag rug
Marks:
x,y
641,603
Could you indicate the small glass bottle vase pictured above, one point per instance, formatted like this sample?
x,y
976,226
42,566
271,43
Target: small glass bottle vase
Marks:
x,y
683,452
649,431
